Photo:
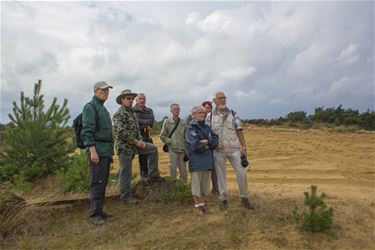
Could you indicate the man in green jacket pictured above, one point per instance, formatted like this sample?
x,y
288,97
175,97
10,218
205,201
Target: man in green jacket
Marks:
x,y
97,138
128,143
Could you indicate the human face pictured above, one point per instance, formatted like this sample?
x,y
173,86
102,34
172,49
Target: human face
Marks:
x,y
141,100
207,108
175,110
220,100
127,101
102,94
199,115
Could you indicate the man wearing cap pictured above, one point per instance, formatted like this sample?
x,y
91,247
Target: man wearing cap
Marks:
x,y
146,119
97,138
232,146
128,143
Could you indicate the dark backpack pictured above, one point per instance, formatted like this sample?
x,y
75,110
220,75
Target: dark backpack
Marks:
x,y
77,125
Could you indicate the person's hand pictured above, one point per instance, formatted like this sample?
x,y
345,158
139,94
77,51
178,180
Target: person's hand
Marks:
x,y
243,151
148,129
94,157
141,144
204,141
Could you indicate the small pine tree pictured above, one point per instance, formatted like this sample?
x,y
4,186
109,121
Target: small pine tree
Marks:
x,y
315,217
39,143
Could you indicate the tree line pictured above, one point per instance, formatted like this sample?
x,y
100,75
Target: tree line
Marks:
x,y
334,116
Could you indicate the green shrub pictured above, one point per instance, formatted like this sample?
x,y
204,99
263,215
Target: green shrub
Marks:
x,y
38,144
315,216
75,177
297,116
180,192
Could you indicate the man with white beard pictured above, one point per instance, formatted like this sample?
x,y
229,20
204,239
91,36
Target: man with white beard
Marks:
x,y
232,146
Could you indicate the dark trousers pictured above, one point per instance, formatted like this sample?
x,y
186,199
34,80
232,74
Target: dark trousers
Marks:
x,y
143,165
99,174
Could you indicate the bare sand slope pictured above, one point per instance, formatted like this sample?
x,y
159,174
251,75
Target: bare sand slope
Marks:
x,y
291,159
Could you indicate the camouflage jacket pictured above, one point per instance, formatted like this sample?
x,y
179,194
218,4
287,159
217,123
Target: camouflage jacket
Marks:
x,y
126,131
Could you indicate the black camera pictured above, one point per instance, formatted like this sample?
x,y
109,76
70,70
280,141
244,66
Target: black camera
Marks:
x,y
244,161
165,148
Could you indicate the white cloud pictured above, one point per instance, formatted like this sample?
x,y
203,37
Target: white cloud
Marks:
x,y
252,96
237,73
217,22
311,60
193,18
274,55
349,55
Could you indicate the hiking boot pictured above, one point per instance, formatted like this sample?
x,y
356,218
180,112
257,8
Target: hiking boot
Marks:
x,y
106,215
156,179
130,201
246,204
224,205
215,192
144,174
97,220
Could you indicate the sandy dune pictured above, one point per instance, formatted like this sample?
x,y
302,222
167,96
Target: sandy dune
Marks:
x,y
295,159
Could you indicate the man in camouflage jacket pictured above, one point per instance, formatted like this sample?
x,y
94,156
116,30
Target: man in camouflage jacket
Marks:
x,y
128,143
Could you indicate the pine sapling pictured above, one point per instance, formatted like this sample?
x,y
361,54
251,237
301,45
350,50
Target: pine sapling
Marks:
x,y
316,216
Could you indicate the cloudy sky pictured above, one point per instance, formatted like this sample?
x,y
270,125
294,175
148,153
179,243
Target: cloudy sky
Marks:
x,y
269,58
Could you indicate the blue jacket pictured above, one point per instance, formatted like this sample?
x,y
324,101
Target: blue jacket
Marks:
x,y
200,158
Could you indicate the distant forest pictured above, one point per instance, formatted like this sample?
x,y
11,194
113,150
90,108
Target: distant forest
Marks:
x,y
327,117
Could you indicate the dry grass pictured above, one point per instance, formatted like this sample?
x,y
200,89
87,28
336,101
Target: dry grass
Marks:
x,y
161,226
284,163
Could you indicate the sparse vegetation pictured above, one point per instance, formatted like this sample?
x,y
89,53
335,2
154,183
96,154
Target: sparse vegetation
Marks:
x,y
315,216
170,191
180,192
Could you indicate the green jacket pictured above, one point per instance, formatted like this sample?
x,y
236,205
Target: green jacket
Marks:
x,y
126,131
100,134
177,142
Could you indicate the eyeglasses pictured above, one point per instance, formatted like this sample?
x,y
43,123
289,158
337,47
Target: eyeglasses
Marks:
x,y
221,97
129,98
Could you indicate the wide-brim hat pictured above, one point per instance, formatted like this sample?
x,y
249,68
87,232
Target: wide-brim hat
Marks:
x,y
125,93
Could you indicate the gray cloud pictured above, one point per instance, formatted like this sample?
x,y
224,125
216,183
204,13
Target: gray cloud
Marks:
x,y
270,58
